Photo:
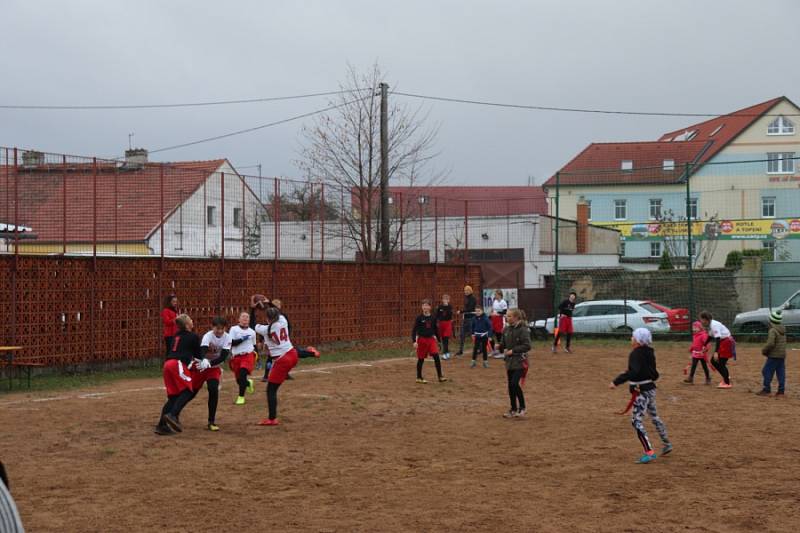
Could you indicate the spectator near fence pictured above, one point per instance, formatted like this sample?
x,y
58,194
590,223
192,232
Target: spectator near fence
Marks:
x,y
468,315
168,315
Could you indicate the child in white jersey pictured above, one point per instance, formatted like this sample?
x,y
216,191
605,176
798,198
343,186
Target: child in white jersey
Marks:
x,y
214,350
284,356
243,349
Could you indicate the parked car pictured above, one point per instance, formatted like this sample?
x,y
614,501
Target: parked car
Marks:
x,y
758,321
612,316
678,318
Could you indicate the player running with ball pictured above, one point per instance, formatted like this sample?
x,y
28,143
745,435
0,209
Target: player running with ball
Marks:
x,y
284,356
214,349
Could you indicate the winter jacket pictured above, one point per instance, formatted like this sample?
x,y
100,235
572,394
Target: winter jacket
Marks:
x,y
516,338
641,371
481,325
776,342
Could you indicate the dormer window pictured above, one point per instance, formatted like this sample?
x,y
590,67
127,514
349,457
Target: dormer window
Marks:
x,y
669,164
781,126
627,164
716,130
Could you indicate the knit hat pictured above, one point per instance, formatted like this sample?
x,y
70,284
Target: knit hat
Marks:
x,y
643,336
776,317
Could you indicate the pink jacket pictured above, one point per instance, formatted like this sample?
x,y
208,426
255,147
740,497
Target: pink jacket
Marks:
x,y
698,348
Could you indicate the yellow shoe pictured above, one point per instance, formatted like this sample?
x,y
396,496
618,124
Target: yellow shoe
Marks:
x,y
213,427
239,401
421,381
250,388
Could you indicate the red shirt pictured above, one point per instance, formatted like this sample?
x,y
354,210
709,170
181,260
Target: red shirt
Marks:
x,y
168,318
497,323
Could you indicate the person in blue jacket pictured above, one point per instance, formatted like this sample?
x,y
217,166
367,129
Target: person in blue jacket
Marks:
x,y
481,329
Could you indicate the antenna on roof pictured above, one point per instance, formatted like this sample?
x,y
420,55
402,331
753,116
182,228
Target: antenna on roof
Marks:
x,y
130,141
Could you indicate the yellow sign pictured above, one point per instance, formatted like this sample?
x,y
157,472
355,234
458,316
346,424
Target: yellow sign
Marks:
x,y
743,229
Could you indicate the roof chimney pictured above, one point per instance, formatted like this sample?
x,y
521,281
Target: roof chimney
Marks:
x,y
32,158
135,157
582,230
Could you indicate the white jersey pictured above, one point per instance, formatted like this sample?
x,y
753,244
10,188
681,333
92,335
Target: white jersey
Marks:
x,y
500,306
215,344
249,343
276,336
718,330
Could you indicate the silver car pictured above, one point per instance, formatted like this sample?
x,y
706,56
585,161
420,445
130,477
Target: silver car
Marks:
x,y
612,316
758,321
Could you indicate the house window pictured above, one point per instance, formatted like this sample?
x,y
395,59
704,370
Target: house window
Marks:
x,y
622,248
780,126
211,213
237,217
655,209
693,209
769,245
780,163
627,164
620,209
655,249
669,164
768,207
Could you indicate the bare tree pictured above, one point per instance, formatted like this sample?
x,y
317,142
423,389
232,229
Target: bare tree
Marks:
x,y
342,148
676,242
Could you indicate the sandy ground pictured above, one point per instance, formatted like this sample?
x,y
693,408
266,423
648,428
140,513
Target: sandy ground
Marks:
x,y
364,448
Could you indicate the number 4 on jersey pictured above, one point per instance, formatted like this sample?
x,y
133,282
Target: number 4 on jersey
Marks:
x,y
284,337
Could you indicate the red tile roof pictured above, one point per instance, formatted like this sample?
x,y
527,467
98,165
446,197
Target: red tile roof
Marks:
x,y
696,143
449,201
135,192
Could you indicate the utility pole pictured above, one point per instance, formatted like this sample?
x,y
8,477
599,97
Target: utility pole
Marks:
x,y
384,231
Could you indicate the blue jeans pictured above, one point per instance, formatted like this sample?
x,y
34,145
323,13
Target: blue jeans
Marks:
x,y
772,366
466,329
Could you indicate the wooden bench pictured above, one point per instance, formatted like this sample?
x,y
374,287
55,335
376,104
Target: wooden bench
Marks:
x,y
26,364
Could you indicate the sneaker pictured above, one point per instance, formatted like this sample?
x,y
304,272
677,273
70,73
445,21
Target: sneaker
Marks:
x,y
647,458
510,414
552,349
780,394
250,388
459,353
269,422
421,381
763,393
172,422
567,350
499,355
445,356
473,363
239,401
723,385
163,429
666,449
443,379
708,381
313,350
520,414
486,364
213,427
289,377
264,379
689,381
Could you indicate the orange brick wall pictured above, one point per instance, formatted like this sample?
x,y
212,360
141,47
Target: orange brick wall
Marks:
x,y
62,309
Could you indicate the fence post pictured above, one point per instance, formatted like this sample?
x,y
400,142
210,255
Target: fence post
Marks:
x,y
205,218
341,222
435,230
402,229
243,217
689,266
63,205
322,222
94,213
15,267
466,240
161,223
116,208
221,282
555,251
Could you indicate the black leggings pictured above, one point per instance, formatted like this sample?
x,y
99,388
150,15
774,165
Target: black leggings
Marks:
x,y
175,404
446,344
213,399
272,399
515,389
436,361
721,364
694,367
242,380
168,345
480,347
566,336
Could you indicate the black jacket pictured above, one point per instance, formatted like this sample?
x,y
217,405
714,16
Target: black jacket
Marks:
x,y
469,305
641,367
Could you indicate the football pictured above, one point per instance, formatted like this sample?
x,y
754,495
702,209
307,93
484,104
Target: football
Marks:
x,y
258,300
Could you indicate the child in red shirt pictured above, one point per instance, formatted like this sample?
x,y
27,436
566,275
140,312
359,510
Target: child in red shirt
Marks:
x,y
168,315
699,351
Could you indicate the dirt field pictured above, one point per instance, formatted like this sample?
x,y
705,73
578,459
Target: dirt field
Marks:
x,y
363,448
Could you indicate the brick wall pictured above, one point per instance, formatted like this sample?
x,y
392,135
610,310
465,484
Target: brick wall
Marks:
x,y
62,309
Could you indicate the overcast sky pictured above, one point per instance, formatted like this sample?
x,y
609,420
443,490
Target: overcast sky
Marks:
x,y
709,56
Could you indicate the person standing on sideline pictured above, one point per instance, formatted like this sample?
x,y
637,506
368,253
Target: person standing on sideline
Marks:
x,y
468,315
775,352
444,321
168,315
425,336
724,347
482,329
565,329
